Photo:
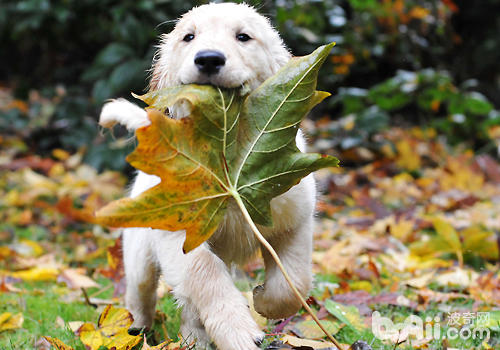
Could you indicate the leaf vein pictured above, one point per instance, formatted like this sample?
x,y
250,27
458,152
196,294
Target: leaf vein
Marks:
x,y
271,177
271,118
194,161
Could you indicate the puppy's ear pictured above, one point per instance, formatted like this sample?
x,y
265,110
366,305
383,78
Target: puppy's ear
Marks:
x,y
279,52
155,78
279,55
158,69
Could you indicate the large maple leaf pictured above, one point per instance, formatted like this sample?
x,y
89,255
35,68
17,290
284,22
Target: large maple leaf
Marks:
x,y
230,146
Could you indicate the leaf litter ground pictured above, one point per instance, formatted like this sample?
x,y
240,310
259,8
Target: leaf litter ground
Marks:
x,y
413,229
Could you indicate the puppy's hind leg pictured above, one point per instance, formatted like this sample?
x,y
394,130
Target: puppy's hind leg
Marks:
x,y
141,273
275,299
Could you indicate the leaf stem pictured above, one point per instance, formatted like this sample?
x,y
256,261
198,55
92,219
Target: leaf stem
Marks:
x,y
276,258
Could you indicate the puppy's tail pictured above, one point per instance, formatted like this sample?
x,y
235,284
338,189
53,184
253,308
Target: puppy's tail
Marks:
x,y
125,113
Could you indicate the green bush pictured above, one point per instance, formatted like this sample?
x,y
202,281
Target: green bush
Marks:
x,y
427,96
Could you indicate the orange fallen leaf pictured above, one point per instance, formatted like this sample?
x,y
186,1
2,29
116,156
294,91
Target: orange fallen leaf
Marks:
x,y
58,344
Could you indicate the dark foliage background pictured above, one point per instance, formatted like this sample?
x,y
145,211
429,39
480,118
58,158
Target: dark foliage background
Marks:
x,y
429,62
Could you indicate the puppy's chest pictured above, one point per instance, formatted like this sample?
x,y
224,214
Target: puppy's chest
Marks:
x,y
233,241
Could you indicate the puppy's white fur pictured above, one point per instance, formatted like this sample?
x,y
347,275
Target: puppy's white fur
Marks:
x,y
213,308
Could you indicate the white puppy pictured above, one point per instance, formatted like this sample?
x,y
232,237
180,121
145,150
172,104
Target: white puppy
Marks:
x,y
227,45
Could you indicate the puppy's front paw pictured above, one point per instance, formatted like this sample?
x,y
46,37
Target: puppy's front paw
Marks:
x,y
237,331
275,304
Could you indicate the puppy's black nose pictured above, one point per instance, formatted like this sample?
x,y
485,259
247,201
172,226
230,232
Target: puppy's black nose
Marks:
x,y
209,61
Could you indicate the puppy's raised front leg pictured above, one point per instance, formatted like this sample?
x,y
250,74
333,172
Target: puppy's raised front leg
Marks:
x,y
123,112
275,299
141,273
202,281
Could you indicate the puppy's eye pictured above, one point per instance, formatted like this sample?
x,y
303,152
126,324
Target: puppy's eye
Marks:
x,y
243,37
188,37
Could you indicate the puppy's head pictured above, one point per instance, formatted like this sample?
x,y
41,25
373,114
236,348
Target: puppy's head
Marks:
x,y
227,45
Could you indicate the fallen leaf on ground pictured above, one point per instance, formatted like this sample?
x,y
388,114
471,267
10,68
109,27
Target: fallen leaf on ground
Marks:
x,y
58,344
261,320
346,314
35,274
310,330
458,277
421,281
76,279
9,321
450,236
75,325
428,295
27,248
112,330
114,269
297,342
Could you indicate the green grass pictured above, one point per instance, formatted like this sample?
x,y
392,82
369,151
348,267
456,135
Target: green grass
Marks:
x,y
41,305
40,310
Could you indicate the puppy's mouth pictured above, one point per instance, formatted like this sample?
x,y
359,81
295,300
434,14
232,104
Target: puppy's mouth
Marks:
x,y
217,81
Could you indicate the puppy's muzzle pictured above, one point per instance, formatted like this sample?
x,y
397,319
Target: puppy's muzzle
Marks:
x,y
209,61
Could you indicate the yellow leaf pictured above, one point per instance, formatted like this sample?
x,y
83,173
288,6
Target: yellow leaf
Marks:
x,y
60,154
91,337
297,342
361,285
407,158
402,229
309,329
450,236
9,321
36,274
36,248
6,252
258,318
419,12
422,263
480,242
459,175
56,343
111,331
